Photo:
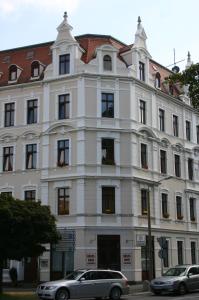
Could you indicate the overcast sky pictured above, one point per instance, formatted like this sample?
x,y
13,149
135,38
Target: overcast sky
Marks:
x,y
168,24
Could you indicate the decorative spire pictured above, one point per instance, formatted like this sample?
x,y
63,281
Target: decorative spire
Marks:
x,y
189,62
65,16
140,36
64,31
139,22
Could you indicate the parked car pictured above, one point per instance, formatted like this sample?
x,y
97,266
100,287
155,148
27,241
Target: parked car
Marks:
x,y
86,284
179,279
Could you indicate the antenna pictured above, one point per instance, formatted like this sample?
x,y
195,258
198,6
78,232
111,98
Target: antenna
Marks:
x,y
175,68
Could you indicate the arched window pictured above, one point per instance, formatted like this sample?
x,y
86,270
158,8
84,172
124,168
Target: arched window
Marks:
x,y
13,73
157,80
35,69
107,62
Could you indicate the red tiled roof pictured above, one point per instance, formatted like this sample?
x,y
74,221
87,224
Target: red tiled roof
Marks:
x,y
23,57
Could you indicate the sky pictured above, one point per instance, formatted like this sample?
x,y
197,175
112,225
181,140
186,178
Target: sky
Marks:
x,y
169,24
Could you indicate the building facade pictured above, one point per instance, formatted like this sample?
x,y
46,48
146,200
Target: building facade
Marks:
x,y
89,127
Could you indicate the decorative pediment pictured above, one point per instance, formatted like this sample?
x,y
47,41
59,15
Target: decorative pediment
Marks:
x,y
30,135
165,143
107,47
8,138
147,133
196,151
178,148
59,128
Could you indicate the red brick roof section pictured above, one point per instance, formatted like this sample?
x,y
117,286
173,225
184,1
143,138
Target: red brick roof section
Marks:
x,y
23,58
90,42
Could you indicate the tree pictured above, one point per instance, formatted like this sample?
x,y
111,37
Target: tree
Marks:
x,y
25,226
189,78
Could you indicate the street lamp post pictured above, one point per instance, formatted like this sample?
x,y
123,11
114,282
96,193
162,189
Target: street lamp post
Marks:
x,y
150,252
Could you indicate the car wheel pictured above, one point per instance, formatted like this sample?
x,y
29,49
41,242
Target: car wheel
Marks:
x,y
115,293
182,289
62,294
156,292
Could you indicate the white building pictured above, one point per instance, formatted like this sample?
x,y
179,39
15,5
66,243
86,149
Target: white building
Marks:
x,y
88,126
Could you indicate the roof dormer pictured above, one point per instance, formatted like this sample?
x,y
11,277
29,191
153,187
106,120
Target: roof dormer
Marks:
x,y
37,69
65,50
107,58
14,73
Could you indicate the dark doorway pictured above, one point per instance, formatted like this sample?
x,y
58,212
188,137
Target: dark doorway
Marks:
x,y
30,269
145,259
108,252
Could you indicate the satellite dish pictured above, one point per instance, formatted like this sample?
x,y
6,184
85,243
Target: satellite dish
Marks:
x,y
176,69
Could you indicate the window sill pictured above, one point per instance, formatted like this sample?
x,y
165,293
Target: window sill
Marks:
x,y
12,81
34,78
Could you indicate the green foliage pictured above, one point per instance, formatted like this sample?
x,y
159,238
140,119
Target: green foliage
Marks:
x,y
190,78
24,227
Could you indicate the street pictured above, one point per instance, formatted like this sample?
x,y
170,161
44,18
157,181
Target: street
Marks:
x,y
150,296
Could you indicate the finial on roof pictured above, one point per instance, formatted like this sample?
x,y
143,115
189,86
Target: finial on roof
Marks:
x,y
139,21
188,57
65,16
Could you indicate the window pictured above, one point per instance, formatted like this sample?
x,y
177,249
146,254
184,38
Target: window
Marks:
x,y
165,205
142,112
30,195
64,106
163,162
108,200
192,209
197,133
166,254
175,125
144,201
107,63
64,64
141,71
193,252
157,80
179,207
35,69
6,194
31,156
13,73
63,201
188,130
144,160
8,159
32,111
108,105
63,153
9,114
177,165
161,119
180,252
190,168
108,151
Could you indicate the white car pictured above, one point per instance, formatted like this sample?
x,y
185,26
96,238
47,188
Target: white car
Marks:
x,y
86,284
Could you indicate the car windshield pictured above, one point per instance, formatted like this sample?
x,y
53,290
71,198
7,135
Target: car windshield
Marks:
x,y
175,272
74,275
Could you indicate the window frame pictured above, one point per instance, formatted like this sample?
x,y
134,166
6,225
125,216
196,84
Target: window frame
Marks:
x,y
30,195
145,194
66,153
110,151
180,255
188,130
165,213
35,66
190,163
144,156
108,200
163,162
32,111
13,70
177,165
107,63
108,103
141,71
161,120
31,156
66,201
192,209
179,214
64,64
64,107
142,111
10,157
175,126
193,253
9,114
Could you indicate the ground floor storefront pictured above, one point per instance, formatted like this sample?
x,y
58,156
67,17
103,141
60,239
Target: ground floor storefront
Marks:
x,y
124,249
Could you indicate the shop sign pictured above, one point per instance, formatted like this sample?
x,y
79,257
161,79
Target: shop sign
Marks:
x,y
90,259
126,259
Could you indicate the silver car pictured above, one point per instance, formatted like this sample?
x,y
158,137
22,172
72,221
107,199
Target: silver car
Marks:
x,y
86,284
179,279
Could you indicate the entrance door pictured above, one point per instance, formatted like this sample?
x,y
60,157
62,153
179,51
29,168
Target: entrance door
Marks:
x,y
108,252
30,269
